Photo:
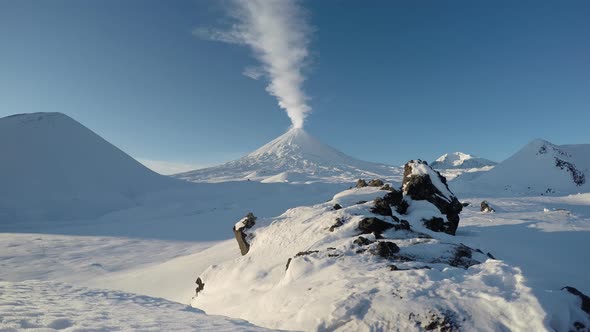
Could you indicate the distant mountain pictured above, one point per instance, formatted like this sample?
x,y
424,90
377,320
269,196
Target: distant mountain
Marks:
x,y
540,167
55,168
296,157
460,160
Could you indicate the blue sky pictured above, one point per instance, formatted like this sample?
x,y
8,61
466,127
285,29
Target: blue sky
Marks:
x,y
388,80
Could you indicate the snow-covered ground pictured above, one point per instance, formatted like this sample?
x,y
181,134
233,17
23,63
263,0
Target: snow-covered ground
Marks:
x,y
540,243
53,306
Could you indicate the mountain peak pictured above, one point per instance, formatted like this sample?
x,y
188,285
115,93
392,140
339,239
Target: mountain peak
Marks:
x,y
294,156
460,160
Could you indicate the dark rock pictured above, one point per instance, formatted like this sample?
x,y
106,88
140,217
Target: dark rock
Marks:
x,y
486,207
200,286
387,187
375,183
339,222
360,183
435,224
241,234
585,299
465,204
361,202
421,187
288,263
402,208
463,257
393,267
305,253
362,241
381,207
490,256
580,327
337,206
385,249
373,225
577,176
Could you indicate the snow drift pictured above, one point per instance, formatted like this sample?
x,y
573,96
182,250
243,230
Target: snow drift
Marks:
x,y
294,157
54,167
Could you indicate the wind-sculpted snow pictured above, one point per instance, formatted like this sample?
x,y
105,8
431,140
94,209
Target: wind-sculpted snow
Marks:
x,y
321,269
295,157
460,160
51,306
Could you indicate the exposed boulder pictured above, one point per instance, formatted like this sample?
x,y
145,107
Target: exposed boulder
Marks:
x,y
421,182
200,286
337,206
375,183
385,249
241,232
435,224
486,207
339,222
381,207
362,241
360,183
377,226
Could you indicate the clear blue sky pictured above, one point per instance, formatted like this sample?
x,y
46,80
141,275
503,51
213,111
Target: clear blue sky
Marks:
x,y
388,81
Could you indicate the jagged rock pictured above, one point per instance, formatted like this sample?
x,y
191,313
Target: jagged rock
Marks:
x,y
385,249
486,207
305,253
200,286
339,222
381,207
585,298
360,183
337,206
377,226
577,176
465,204
361,202
362,241
435,224
375,183
240,231
463,257
421,182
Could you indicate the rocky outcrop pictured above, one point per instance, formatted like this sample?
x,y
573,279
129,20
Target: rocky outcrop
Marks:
x,y
241,232
376,226
585,306
486,207
421,182
360,183
200,286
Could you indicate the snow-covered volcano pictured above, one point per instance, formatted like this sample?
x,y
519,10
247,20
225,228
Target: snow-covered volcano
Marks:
x,y
460,160
55,168
296,157
540,167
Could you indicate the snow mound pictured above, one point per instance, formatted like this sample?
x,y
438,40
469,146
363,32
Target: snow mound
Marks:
x,y
55,168
539,168
298,157
52,306
322,268
460,160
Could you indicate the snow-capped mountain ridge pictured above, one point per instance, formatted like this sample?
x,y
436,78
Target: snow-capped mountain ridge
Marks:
x,y
540,167
460,160
295,156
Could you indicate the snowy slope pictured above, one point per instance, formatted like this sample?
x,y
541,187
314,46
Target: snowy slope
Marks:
x,y
54,167
51,306
460,160
538,168
304,276
294,157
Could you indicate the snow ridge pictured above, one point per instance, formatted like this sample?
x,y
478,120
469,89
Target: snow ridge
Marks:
x,y
460,160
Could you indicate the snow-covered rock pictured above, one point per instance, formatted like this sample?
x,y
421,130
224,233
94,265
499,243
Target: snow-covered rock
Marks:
x,y
539,168
294,157
55,168
320,269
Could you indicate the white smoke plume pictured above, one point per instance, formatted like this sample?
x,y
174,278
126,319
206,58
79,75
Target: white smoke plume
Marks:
x,y
278,33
